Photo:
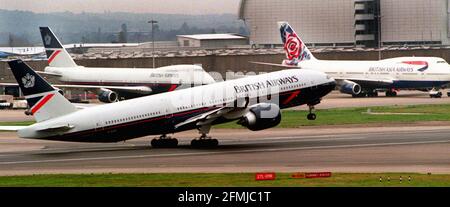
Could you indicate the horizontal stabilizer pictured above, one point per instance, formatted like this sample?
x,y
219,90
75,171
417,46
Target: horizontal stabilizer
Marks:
x,y
58,128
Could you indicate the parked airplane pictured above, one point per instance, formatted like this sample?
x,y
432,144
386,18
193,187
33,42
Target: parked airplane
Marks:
x,y
20,51
116,84
255,102
367,78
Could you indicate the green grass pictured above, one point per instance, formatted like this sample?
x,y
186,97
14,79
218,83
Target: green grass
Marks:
x,y
23,123
295,119
223,180
345,116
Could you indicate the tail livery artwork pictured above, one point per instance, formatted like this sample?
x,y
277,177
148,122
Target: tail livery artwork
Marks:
x,y
45,102
367,78
57,55
254,102
296,50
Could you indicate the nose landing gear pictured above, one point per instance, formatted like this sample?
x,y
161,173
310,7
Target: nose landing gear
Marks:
x,y
311,116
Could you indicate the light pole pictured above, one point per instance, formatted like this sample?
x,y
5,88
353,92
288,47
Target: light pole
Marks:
x,y
153,22
379,36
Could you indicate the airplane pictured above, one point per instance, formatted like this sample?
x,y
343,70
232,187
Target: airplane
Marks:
x,y
114,84
254,102
20,51
367,78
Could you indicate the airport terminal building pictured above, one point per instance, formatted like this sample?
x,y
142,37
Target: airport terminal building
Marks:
x,y
350,22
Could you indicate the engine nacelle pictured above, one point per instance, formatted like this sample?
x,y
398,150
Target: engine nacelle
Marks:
x,y
108,96
261,116
350,87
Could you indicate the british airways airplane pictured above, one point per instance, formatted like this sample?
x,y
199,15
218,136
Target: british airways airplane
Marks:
x,y
254,102
114,84
367,78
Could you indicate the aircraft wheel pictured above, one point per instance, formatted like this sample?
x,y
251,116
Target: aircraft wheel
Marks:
x,y
164,143
312,117
204,143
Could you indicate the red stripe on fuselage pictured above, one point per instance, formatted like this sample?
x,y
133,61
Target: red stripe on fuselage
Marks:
x,y
291,97
52,57
415,62
172,88
41,103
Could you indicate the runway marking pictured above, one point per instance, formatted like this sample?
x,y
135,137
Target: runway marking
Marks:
x,y
222,152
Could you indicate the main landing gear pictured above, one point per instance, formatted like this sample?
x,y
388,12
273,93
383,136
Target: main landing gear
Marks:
x,y
164,142
435,93
204,141
391,93
311,116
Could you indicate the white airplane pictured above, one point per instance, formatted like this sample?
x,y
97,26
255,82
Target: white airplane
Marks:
x,y
367,78
116,84
20,51
255,102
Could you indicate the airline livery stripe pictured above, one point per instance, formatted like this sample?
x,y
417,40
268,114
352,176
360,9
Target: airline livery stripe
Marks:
x,y
172,88
53,56
41,103
291,97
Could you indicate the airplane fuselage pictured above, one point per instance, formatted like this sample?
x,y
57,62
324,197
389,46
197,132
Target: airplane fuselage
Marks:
x,y
159,80
161,113
403,73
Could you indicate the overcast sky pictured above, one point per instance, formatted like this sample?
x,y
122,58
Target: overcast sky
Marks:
x,y
138,6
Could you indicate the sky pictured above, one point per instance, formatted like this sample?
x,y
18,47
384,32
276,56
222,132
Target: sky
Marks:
x,y
194,7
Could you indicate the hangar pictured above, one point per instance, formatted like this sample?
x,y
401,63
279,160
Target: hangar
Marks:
x,y
211,40
350,22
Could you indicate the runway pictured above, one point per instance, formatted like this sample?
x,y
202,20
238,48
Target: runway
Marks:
x,y
374,149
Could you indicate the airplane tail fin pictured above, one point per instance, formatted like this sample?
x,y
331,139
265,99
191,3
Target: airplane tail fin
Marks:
x,y
57,55
295,48
45,101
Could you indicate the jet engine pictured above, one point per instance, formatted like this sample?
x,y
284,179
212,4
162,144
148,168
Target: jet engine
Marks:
x,y
261,116
350,87
108,96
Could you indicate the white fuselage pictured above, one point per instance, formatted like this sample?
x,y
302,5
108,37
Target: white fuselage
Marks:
x,y
109,118
179,74
410,70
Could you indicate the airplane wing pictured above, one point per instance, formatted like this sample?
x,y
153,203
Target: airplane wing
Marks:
x,y
207,117
276,65
132,89
11,128
368,82
48,73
